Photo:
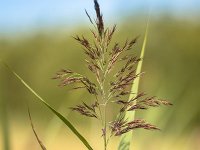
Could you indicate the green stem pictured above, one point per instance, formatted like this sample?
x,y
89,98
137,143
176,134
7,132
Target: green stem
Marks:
x,y
104,106
100,114
104,96
105,129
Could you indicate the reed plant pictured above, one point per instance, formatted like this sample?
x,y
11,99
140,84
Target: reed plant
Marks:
x,y
102,61
116,72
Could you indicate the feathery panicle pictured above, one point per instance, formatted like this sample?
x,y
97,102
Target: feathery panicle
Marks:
x,y
102,60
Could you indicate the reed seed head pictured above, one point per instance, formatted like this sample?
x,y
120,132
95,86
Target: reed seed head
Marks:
x,y
102,60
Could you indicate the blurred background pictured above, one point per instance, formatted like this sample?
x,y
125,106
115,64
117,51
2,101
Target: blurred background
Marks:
x,y
36,41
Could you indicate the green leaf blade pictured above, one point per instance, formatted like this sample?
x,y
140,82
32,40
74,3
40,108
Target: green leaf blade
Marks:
x,y
60,116
130,115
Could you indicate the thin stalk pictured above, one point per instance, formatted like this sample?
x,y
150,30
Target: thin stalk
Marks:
x,y
103,93
105,128
100,113
104,107
105,122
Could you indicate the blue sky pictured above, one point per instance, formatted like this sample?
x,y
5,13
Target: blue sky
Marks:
x,y
25,14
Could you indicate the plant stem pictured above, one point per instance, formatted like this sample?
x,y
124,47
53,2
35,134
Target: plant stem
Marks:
x,y
103,94
104,106
105,129
100,113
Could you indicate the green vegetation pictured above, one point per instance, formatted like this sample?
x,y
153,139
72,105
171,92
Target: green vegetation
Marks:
x,y
171,61
65,121
126,139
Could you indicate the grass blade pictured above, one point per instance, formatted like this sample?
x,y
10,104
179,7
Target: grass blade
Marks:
x,y
127,137
60,116
32,126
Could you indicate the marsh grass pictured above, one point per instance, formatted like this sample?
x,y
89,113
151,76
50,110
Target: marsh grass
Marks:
x,y
101,59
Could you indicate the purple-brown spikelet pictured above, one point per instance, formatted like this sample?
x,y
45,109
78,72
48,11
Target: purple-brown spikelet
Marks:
x,y
86,110
99,20
102,57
